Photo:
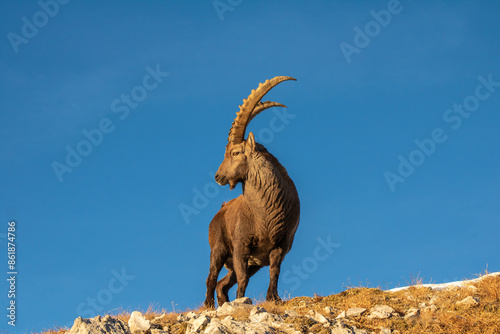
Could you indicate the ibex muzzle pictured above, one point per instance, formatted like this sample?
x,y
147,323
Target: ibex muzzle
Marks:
x,y
234,167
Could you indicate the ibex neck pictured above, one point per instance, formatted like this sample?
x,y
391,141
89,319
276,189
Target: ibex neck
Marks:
x,y
268,189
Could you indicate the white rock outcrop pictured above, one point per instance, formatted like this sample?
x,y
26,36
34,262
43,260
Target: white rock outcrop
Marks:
x,y
99,325
137,323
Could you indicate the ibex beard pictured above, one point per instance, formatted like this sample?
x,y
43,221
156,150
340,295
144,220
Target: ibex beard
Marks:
x,y
257,228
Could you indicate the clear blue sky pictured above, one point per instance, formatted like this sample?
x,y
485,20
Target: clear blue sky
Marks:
x,y
391,138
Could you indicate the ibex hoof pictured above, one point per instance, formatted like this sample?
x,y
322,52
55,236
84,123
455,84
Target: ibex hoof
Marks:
x,y
274,298
210,304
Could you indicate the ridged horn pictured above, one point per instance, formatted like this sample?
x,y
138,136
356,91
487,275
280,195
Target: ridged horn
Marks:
x,y
261,106
251,104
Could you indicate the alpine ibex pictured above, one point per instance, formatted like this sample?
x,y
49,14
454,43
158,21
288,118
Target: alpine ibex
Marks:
x,y
257,228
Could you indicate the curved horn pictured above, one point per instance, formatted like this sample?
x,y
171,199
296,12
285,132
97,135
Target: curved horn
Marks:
x,y
237,132
261,106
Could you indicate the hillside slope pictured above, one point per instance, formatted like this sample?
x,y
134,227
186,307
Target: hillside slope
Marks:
x,y
458,307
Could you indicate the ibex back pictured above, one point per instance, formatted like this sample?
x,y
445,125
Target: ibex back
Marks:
x,y
257,228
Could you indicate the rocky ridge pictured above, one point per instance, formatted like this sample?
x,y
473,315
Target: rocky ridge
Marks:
x,y
222,321
470,308
227,319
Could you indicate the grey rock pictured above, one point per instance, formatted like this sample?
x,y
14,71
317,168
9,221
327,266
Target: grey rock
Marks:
x,y
216,327
291,313
318,317
359,330
383,308
302,304
187,317
329,310
159,331
137,323
99,325
210,313
341,315
197,324
285,327
244,300
231,307
340,323
468,302
225,309
182,318
257,310
235,327
412,313
341,330
259,328
355,312
192,315
339,327
380,312
265,317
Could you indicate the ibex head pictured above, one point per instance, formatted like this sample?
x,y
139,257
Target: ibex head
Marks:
x,y
239,151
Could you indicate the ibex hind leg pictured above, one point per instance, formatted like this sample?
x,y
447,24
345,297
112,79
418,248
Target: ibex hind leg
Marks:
x,y
275,259
217,259
240,263
225,284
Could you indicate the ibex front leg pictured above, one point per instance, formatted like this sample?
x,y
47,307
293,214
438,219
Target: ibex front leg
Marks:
x,y
217,258
275,259
240,263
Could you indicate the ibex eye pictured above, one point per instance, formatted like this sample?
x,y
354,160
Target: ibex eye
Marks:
x,y
235,153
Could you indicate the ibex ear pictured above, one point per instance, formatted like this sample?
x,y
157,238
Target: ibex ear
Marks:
x,y
250,144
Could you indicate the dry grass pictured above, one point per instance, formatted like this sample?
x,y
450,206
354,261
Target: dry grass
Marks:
x,y
55,331
439,312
